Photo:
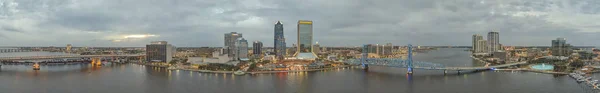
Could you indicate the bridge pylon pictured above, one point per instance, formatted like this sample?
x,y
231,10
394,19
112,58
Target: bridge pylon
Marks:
x,y
409,60
365,55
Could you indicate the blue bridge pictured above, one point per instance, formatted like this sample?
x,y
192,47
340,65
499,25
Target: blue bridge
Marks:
x,y
410,65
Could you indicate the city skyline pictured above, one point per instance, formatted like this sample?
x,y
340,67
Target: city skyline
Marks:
x,y
197,24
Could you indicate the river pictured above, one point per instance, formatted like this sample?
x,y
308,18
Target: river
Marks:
x,y
132,78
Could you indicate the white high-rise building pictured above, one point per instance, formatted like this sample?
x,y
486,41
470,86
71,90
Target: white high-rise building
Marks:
x,y
479,45
493,41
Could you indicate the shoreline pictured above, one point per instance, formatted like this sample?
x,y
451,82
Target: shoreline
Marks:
x,y
258,72
535,71
524,69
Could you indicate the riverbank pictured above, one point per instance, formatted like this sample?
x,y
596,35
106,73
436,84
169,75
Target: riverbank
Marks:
x,y
259,72
264,72
479,59
229,72
536,71
151,65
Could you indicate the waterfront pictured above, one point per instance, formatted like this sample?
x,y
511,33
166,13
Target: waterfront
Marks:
x,y
133,78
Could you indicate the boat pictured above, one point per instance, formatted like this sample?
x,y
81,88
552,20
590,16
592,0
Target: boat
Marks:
x,y
36,66
239,73
579,80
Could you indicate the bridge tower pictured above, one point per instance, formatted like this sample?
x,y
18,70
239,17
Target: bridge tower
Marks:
x,y
409,59
365,55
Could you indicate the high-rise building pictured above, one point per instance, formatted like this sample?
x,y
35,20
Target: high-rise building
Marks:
x,y
68,50
242,49
316,48
478,47
493,41
257,48
372,48
230,39
159,51
305,36
560,47
279,44
305,39
387,49
481,46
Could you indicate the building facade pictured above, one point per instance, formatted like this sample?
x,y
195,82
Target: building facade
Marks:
x,y
279,42
68,49
159,51
316,48
257,48
387,49
242,49
479,45
305,36
493,41
230,41
560,47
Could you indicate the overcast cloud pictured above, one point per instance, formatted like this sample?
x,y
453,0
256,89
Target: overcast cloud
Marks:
x,y
336,22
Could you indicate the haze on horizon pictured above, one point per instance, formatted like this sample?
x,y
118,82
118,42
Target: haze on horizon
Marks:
x,y
196,23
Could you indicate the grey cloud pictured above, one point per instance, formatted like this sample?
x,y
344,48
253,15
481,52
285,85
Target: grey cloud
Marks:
x,y
11,29
336,22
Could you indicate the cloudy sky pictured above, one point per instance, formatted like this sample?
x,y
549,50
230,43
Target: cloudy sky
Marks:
x,y
336,22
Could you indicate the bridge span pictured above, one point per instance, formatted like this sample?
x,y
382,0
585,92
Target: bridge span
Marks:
x,y
62,56
410,65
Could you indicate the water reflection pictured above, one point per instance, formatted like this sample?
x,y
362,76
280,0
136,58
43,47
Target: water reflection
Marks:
x,y
132,78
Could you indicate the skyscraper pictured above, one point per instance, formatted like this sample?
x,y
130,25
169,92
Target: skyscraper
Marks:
x,y
560,47
230,39
493,41
159,51
242,49
257,48
305,36
477,46
279,41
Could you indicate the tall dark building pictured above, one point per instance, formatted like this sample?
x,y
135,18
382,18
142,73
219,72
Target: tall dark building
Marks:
x,y
279,42
560,47
159,51
257,48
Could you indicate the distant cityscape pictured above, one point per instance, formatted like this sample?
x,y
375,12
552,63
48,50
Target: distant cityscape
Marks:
x,y
306,54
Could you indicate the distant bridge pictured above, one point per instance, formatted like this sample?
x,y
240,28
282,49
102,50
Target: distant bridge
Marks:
x,y
63,56
410,65
7,50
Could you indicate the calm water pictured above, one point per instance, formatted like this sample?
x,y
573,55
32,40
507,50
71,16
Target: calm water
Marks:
x,y
131,78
